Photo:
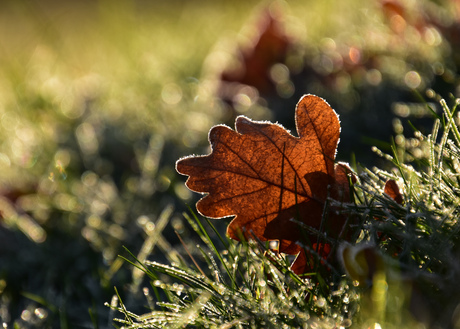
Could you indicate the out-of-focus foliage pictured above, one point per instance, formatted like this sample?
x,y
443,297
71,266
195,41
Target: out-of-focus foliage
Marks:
x,y
98,99
365,58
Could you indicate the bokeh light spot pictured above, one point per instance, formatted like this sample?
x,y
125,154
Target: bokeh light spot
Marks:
x,y
412,79
5,160
374,77
401,109
30,228
89,178
355,55
182,191
117,231
94,221
178,224
26,315
72,107
279,73
242,102
398,23
87,139
9,121
438,68
285,89
171,94
40,313
432,37
163,183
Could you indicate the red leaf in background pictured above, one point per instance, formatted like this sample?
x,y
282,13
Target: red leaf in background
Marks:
x,y
392,190
268,48
266,177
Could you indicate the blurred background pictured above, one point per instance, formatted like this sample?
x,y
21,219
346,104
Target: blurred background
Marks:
x,y
98,99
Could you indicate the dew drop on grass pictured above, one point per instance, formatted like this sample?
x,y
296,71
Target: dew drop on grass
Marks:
x,y
321,302
114,301
336,292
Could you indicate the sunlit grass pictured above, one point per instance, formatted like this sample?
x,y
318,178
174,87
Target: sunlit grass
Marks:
x,y
400,271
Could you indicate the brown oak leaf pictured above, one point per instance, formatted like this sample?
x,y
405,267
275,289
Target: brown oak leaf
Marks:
x,y
266,177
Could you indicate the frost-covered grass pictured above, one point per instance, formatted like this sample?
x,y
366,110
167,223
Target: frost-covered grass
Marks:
x,y
400,271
